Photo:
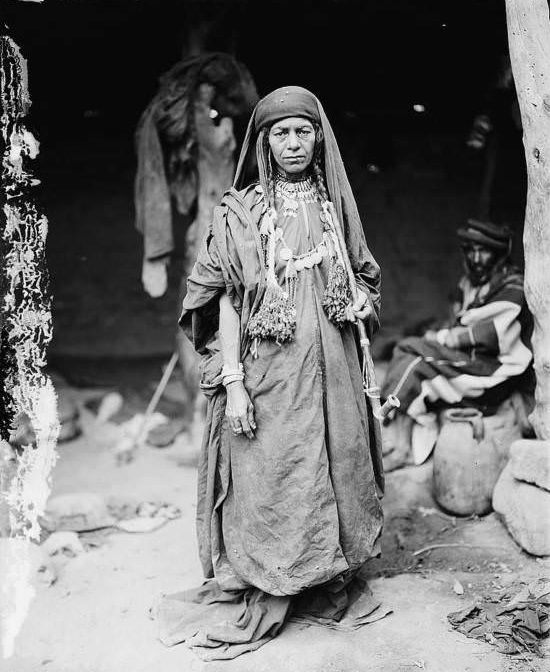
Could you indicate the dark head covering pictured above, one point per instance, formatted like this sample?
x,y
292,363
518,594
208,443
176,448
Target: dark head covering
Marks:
x,y
493,236
290,101
295,101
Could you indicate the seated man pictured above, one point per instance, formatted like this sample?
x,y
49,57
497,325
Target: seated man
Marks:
x,y
478,354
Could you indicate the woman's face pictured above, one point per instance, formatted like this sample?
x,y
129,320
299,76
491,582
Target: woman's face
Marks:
x,y
292,141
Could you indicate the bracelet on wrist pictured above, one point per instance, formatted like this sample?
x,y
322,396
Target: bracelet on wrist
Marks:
x,y
228,383
228,370
232,378
232,374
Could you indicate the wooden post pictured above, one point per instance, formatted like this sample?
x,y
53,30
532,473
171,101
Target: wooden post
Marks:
x,y
529,43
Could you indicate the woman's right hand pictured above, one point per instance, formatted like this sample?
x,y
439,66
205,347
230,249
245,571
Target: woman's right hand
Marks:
x,y
240,410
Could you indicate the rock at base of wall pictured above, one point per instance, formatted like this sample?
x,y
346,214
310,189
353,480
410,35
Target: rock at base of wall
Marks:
x,y
530,462
76,512
525,509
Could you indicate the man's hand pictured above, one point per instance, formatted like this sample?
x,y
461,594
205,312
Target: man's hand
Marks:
x,y
361,309
445,337
154,277
239,410
451,340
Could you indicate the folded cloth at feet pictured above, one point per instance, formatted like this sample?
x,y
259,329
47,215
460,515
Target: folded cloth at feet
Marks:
x,y
219,624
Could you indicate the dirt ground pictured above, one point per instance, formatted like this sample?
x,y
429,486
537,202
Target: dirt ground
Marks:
x,y
94,616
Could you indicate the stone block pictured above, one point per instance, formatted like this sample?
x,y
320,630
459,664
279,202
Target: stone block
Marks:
x,y
66,543
525,509
77,512
530,462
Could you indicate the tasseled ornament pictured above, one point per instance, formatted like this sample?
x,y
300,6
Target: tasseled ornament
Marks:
x,y
276,317
337,296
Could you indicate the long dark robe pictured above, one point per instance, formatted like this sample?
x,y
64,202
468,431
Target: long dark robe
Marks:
x,y
298,506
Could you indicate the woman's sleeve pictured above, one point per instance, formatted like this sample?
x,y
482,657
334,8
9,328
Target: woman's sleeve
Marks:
x,y
368,281
200,310
365,268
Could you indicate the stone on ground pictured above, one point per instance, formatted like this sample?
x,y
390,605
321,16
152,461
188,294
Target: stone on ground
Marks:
x,y
77,512
530,462
525,509
63,543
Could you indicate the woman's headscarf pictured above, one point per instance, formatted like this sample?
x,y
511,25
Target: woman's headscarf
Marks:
x,y
295,101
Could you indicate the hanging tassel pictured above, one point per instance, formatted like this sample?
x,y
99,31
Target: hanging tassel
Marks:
x,y
337,296
276,317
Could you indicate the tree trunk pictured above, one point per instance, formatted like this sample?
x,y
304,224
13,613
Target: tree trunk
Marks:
x,y
529,43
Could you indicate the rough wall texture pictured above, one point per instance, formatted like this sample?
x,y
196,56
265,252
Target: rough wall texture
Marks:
x,y
26,333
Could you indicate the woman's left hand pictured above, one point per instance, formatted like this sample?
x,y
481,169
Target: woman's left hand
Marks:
x,y
361,309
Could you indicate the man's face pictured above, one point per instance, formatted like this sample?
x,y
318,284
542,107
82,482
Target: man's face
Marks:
x,y
292,142
479,261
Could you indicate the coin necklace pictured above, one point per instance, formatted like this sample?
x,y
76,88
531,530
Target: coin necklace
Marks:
x,y
294,192
307,259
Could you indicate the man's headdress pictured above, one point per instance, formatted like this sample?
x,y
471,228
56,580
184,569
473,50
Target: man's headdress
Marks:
x,y
493,236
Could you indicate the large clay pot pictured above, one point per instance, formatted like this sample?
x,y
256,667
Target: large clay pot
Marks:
x,y
503,428
466,464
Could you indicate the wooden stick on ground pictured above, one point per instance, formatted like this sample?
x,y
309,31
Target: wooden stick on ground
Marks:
x,y
434,546
156,397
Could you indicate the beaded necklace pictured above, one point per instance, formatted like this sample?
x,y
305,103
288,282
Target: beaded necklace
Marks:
x,y
292,192
275,319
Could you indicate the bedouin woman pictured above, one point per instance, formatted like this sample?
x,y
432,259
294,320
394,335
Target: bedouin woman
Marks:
x,y
290,474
